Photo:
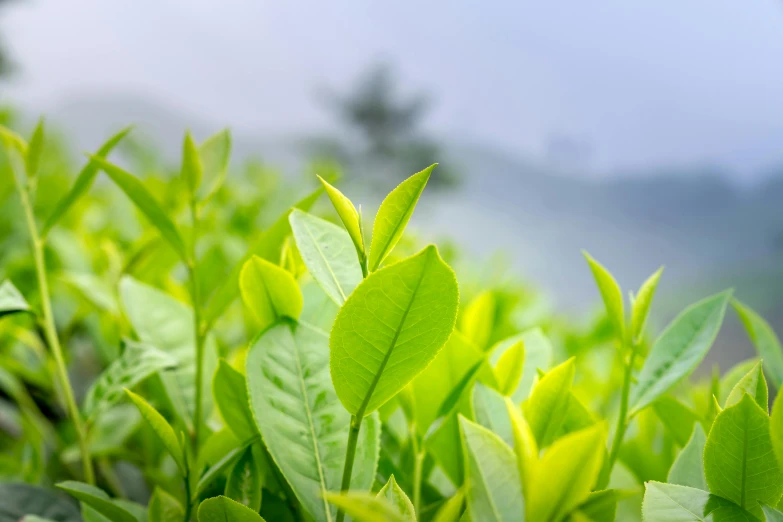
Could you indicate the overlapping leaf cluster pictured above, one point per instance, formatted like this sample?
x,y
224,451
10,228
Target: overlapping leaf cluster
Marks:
x,y
314,369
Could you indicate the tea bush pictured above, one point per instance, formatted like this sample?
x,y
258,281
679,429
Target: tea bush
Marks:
x,y
191,365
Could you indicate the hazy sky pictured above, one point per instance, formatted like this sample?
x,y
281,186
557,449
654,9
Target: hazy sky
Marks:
x,y
647,82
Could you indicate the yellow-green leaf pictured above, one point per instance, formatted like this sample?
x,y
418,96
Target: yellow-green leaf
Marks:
x,y
269,291
348,214
192,169
753,384
640,309
395,496
611,295
508,370
394,214
162,429
547,406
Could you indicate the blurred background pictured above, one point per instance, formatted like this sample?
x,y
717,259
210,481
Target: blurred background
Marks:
x,y
647,133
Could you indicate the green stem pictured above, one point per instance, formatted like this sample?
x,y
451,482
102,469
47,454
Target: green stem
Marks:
x,y
50,331
363,263
198,333
622,421
188,500
350,454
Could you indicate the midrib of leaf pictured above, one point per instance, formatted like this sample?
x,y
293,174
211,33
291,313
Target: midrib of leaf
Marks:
x,y
677,355
398,330
411,205
684,508
319,464
328,266
269,297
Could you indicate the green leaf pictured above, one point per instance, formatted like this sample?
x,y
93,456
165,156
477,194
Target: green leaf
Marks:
x,y
640,309
451,510
508,370
11,300
674,503
348,214
771,514
478,319
18,500
676,417
137,362
192,169
364,507
164,508
267,246
525,446
167,324
301,419
162,429
328,253
494,490
215,153
34,149
776,429
390,328
679,349
13,141
395,496
138,193
229,388
490,411
538,356
611,295
394,214
688,467
764,339
244,481
737,461
269,291
219,467
566,474
223,509
547,406
83,182
753,384
98,500
600,506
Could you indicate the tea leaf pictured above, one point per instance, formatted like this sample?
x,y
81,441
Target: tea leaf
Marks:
x,y
215,153
538,356
162,429
222,465
478,320
244,481
328,253
98,500
34,150
753,384
267,246
229,388
737,461
137,192
364,507
494,490
676,417
547,406
192,169
776,429
396,497
641,305
11,300
83,182
394,214
611,295
390,328
18,500
300,418
771,514
348,214
490,411
451,510
13,141
136,363
525,446
679,349
164,508
508,370
223,509
269,291
688,467
764,339
167,324
673,503
566,474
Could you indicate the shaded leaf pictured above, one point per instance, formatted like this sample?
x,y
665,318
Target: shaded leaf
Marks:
x,y
11,300
688,467
753,384
162,429
244,481
230,390
764,339
98,500
223,509
164,508
396,497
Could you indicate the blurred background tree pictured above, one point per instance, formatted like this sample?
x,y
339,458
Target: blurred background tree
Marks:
x,y
383,126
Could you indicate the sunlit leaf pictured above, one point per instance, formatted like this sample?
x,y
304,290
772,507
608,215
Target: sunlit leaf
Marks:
x,y
269,291
348,214
547,406
753,384
395,496
223,509
640,309
611,295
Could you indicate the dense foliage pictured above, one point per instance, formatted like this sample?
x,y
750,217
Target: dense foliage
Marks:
x,y
187,357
